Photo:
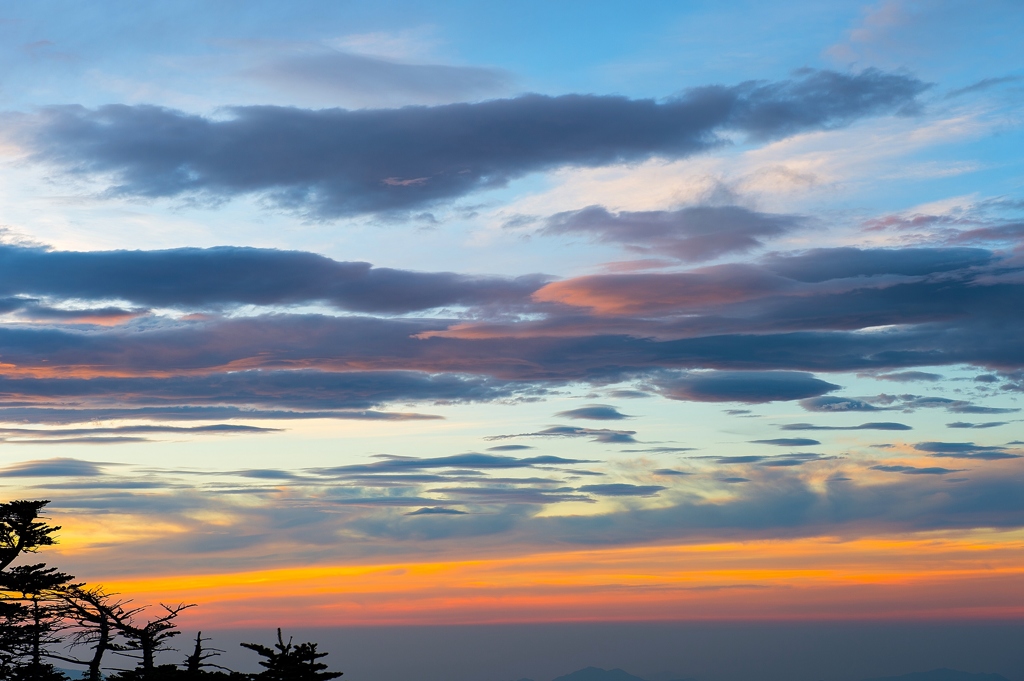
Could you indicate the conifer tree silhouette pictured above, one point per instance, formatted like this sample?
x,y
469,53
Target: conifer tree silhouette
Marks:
x,y
197,661
30,616
22,531
146,638
41,608
91,613
38,589
291,662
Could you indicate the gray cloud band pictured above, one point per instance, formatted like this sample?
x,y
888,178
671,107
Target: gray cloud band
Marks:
x,y
332,163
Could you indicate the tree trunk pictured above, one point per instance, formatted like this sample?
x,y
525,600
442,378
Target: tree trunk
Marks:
x,y
101,647
147,655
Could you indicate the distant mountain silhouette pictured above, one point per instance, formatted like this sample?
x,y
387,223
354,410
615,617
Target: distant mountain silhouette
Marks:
x,y
597,674
942,675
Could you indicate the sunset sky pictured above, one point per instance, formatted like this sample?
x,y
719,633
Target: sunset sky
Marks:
x,y
401,313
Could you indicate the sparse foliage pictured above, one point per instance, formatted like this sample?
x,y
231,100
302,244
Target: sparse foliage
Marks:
x,y
289,662
45,616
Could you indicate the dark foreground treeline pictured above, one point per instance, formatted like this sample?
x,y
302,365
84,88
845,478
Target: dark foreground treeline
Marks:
x,y
48,619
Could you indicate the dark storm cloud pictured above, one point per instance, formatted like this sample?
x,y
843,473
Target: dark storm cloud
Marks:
x,y
209,277
375,81
743,386
824,264
689,234
596,412
874,425
336,162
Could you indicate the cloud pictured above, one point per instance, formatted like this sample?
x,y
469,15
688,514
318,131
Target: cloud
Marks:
x,y
836,404
652,294
436,510
912,402
825,264
988,424
219,428
689,234
981,85
909,376
965,450
788,442
474,461
787,461
372,81
53,468
316,391
743,386
81,440
60,417
596,412
603,435
336,162
874,425
201,278
506,495
621,489
117,434
911,470
58,467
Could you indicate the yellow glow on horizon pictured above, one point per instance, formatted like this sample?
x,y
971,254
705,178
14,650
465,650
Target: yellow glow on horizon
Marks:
x,y
954,575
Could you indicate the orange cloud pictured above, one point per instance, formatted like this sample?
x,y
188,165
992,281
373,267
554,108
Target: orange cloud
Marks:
x,y
639,294
951,575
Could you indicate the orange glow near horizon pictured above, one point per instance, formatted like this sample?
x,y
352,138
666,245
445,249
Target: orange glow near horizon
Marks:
x,y
947,576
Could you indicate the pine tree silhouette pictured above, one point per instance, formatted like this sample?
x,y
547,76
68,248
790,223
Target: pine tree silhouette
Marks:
x,y
291,662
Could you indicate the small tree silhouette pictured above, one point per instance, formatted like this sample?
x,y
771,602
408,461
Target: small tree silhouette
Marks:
x,y
197,661
91,613
30,616
37,588
148,638
21,530
291,662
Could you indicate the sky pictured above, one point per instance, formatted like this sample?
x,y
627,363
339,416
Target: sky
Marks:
x,y
401,314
